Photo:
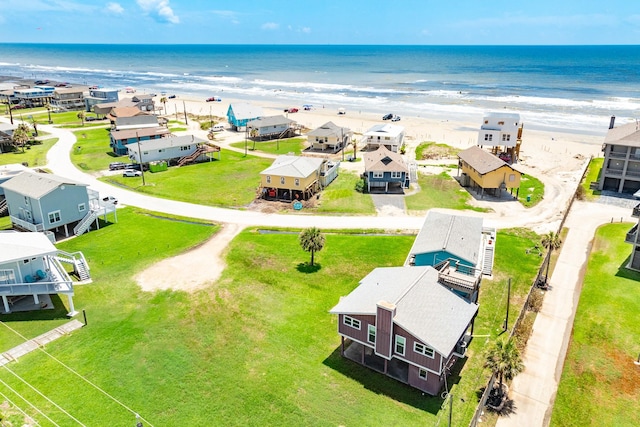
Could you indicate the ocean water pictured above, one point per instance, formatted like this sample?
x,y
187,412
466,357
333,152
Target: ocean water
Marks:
x,y
572,87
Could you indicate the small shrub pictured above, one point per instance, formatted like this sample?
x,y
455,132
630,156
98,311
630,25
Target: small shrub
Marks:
x,y
361,186
581,193
535,301
523,331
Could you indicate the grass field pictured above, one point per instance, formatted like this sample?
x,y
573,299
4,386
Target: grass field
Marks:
x,y
433,150
439,191
35,155
256,348
282,146
92,152
341,197
593,175
533,187
600,385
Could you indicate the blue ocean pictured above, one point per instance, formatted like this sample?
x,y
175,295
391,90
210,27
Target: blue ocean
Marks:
x,y
572,87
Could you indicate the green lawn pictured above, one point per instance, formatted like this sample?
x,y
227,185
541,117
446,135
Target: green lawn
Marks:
x,y
341,197
256,348
230,182
282,146
92,152
530,186
600,385
593,175
34,155
433,150
439,191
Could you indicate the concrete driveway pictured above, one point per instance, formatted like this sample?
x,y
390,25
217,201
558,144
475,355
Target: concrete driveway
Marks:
x,y
389,204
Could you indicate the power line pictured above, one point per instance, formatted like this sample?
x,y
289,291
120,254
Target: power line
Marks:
x,y
45,397
29,403
81,377
13,404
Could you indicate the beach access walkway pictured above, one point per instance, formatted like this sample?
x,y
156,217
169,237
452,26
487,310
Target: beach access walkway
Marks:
x,y
534,390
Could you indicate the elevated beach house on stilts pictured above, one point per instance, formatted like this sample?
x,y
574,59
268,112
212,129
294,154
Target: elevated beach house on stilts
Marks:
x,y
621,167
503,133
483,171
46,202
240,113
385,171
401,322
175,150
292,178
271,127
391,136
329,138
31,266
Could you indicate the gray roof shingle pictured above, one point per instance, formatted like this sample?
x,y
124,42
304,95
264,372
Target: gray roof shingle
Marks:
x,y
329,129
36,185
481,160
293,166
384,160
627,135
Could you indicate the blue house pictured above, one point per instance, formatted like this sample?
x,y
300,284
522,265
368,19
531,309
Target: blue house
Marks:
x,y
119,139
99,96
239,114
459,247
385,170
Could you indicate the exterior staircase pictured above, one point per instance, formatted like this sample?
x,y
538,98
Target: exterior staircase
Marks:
x,y
4,208
489,235
413,171
192,157
80,266
85,223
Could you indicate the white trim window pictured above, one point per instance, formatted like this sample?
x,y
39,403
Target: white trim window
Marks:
x,y
297,182
350,321
401,343
282,180
423,349
422,373
396,174
54,217
268,179
82,207
371,334
377,174
488,137
506,137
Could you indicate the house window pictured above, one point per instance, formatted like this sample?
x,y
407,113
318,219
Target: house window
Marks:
x,y
26,200
512,177
422,373
82,207
400,344
350,321
423,349
297,182
396,174
268,179
506,137
160,151
377,174
282,180
501,123
488,137
54,217
371,336
7,276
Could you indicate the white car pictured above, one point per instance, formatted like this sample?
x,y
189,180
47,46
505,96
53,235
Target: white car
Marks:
x,y
395,119
131,172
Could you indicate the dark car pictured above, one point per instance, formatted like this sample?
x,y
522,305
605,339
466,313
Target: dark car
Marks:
x,y
387,116
291,110
136,166
117,166
41,82
171,97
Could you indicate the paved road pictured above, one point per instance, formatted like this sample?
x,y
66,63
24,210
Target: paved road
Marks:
x,y
534,390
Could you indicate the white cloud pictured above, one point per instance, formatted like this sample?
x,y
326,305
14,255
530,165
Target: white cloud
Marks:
x,y
270,26
115,8
306,30
159,10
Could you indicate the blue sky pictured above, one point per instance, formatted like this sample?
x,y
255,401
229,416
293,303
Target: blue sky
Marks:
x,y
423,22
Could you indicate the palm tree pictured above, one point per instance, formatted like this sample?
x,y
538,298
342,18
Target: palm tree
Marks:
x,y
21,135
551,241
504,360
354,142
81,116
311,240
48,107
164,101
254,134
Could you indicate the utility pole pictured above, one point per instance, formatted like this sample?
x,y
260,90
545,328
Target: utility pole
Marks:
x,y
450,408
10,112
140,159
506,320
184,106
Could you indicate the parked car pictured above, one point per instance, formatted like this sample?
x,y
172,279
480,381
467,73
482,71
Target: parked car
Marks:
x,y
293,110
110,199
387,116
171,97
395,119
41,82
131,173
18,107
213,99
117,166
216,128
137,166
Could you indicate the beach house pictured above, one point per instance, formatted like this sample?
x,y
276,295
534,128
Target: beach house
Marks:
x,y
621,168
37,96
177,150
484,171
140,121
271,127
389,135
503,133
240,113
46,202
68,99
401,322
385,171
119,139
6,136
292,178
31,266
329,137
100,96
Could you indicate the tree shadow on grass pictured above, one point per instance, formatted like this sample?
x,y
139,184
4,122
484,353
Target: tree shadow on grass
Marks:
x,y
382,384
305,267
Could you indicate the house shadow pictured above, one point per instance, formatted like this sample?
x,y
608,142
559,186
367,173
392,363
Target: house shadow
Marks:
x,y
499,196
305,267
626,273
54,310
381,384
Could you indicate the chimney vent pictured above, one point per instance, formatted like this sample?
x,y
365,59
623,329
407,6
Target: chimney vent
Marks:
x,y
612,122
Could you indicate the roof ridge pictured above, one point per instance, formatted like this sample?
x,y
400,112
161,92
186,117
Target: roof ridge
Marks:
x,y
446,239
415,282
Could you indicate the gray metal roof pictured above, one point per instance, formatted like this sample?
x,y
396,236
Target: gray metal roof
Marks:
x,y
293,166
384,160
270,121
244,110
16,246
627,135
384,129
139,120
457,234
174,141
132,133
424,308
330,129
36,185
482,161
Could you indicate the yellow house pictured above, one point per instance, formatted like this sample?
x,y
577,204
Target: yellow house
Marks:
x,y
292,178
483,170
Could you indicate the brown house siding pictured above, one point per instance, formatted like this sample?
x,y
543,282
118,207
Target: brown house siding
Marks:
x,y
358,335
431,385
413,357
384,325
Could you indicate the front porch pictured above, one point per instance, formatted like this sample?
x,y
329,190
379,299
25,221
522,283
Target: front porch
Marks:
x,y
359,353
